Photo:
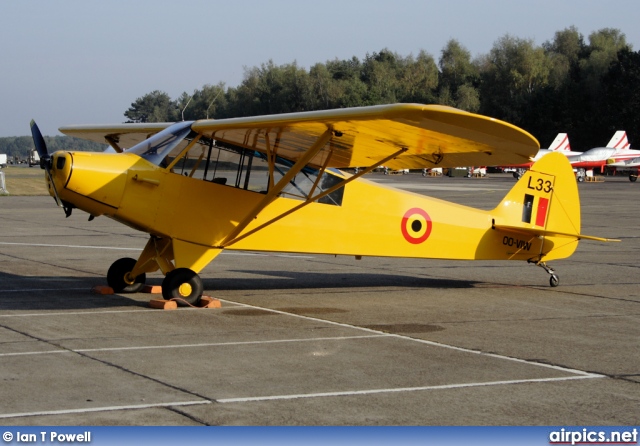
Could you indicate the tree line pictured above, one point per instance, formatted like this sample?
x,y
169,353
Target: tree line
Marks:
x,y
19,147
586,88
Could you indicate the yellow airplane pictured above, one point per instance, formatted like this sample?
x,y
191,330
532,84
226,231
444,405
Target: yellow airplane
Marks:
x,y
270,183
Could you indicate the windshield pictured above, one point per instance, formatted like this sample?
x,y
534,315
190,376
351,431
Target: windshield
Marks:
x,y
156,148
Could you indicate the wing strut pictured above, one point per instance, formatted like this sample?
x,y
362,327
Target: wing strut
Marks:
x,y
113,142
275,191
324,193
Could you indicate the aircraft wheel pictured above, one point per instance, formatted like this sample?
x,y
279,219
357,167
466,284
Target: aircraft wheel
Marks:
x,y
182,283
633,178
118,276
554,281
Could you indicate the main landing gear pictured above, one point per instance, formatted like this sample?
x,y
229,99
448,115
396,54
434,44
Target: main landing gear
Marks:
x,y
554,281
119,276
181,284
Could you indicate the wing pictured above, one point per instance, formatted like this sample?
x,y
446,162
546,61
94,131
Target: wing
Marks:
x,y
432,135
119,136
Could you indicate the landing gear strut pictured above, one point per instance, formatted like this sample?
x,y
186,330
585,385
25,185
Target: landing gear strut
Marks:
x,y
554,281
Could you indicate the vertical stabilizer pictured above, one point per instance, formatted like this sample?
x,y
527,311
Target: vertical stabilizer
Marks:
x,y
619,141
561,143
545,206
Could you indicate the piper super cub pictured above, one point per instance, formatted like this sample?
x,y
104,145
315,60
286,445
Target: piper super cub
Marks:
x,y
270,183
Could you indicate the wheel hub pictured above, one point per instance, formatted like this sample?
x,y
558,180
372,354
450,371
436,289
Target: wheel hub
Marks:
x,y
185,290
129,279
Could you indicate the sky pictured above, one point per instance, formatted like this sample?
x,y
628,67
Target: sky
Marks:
x,y
68,62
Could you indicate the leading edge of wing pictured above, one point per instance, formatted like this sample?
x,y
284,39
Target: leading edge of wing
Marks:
x,y
434,136
124,135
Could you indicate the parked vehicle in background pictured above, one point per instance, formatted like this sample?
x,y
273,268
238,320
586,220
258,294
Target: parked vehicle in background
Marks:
x,y
34,158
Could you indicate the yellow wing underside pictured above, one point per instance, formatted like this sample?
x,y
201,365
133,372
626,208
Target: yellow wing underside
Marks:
x,y
433,136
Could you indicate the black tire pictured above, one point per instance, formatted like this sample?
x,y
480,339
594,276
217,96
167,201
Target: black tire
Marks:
x,y
554,281
182,284
633,178
116,276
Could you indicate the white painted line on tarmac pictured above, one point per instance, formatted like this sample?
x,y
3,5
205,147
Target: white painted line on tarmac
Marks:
x,y
208,344
375,333
577,374
102,409
422,341
401,389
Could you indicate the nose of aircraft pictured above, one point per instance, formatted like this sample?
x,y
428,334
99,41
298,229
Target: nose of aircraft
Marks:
x,y
60,170
46,163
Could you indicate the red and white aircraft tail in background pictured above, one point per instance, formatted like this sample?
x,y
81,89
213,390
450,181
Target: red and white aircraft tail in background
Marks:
x,y
560,144
616,151
620,141
624,159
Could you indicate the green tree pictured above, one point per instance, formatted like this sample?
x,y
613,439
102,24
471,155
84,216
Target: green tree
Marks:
x,y
564,53
513,71
622,93
324,91
207,103
156,106
350,90
418,79
603,50
458,78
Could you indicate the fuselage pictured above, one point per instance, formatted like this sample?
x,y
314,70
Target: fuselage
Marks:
x,y
370,219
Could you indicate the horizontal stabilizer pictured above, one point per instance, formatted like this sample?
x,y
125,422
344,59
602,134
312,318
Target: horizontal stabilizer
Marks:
x,y
538,232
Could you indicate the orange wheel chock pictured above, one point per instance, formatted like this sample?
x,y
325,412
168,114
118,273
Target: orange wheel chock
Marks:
x,y
163,304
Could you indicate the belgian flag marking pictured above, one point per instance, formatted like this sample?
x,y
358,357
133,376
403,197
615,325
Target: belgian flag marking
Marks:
x,y
416,226
541,208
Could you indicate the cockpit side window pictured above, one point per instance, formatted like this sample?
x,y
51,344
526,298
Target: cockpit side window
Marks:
x,y
157,147
202,158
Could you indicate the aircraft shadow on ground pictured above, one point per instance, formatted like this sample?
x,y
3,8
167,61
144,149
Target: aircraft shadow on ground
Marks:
x,y
37,293
288,280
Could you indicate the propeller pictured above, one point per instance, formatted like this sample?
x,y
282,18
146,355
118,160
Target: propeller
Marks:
x,y
45,163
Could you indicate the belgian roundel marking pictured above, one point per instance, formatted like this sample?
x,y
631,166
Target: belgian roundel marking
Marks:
x,y
416,226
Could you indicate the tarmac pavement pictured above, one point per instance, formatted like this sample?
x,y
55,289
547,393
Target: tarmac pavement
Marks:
x,y
323,340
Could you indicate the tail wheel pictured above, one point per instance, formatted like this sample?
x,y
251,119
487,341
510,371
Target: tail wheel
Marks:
x,y
182,283
119,276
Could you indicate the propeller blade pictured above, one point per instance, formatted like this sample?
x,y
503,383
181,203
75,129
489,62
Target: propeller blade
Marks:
x,y
45,159
38,140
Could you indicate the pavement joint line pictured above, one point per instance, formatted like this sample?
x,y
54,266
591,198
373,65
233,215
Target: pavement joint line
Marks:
x,y
47,245
78,313
424,341
400,389
379,333
102,409
208,344
432,343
